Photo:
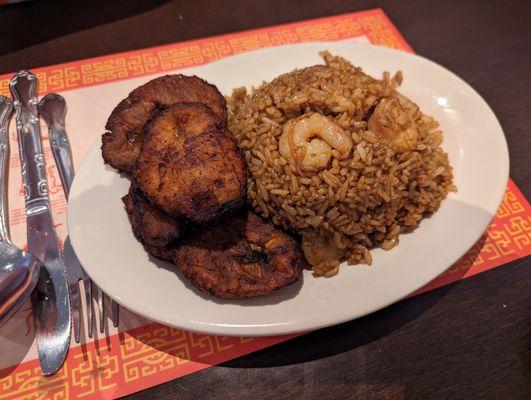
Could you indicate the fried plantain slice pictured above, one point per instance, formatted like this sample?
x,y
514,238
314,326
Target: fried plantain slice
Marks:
x,y
243,256
154,229
125,126
190,166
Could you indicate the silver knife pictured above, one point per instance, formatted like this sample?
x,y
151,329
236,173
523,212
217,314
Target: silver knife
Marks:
x,y
50,300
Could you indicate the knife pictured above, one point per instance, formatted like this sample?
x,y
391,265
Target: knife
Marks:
x,y
50,300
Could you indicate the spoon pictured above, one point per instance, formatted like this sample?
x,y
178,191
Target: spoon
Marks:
x,y
19,271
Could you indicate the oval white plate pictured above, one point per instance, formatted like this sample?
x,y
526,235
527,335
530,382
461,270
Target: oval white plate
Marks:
x,y
102,238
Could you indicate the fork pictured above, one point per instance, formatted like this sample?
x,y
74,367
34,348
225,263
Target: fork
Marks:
x,y
52,107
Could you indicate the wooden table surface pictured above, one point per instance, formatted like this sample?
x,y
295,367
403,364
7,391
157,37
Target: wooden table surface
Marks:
x,y
468,340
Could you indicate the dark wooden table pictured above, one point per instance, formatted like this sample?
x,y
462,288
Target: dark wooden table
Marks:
x,y
469,340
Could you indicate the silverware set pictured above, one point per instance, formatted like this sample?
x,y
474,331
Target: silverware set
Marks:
x,y
50,275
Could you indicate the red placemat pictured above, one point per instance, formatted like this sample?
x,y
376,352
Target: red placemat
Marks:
x,y
149,354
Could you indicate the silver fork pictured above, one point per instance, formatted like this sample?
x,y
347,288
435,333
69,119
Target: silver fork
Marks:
x,y
52,107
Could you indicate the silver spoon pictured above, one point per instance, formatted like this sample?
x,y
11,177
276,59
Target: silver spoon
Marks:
x,y
19,271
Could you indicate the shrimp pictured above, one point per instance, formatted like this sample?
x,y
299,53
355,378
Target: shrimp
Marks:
x,y
393,120
319,248
329,139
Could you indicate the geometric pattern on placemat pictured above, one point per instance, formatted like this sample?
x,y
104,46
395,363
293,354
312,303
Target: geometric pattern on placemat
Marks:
x,y
127,362
373,24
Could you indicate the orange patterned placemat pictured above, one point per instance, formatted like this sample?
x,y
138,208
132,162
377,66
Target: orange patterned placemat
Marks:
x,y
149,354
373,25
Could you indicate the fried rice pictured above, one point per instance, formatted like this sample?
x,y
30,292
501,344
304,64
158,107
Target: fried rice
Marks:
x,y
353,204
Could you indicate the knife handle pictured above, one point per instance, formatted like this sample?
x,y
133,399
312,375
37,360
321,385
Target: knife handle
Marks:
x,y
53,109
6,108
24,90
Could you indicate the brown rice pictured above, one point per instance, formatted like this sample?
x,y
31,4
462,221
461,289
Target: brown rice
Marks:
x,y
354,204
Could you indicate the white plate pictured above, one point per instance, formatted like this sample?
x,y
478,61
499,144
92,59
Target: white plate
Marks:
x,y
102,238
